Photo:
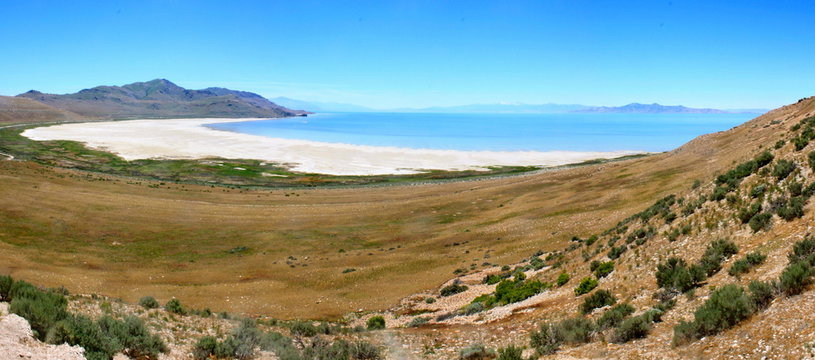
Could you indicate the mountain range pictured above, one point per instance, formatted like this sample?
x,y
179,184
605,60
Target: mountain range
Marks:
x,y
161,98
514,108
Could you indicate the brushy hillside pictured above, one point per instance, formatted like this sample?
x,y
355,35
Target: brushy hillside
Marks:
x,y
161,98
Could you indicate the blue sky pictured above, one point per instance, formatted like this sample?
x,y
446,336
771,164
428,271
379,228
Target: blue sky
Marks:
x,y
384,54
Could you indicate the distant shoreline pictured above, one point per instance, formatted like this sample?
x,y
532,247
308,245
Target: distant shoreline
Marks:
x,y
190,139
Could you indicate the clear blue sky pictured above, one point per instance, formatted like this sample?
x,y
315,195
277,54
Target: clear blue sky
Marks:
x,y
383,54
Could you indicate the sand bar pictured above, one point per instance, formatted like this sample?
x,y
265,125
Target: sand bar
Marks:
x,y
189,139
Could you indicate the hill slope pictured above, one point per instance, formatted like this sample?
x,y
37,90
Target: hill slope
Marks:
x,y
22,110
161,99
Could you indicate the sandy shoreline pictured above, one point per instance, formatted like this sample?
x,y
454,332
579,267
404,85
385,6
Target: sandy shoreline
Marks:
x,y
189,139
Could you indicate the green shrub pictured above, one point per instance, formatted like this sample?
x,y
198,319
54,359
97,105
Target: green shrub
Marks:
x,y
811,159
303,329
792,209
132,337
149,302
747,213
205,348
575,331
758,190
174,306
636,327
511,353
41,308
803,251
614,316
375,323
675,274
476,352
795,278
604,269
716,252
760,221
586,284
783,168
761,294
453,289
473,308
511,291
719,193
546,340
5,287
726,307
563,278
795,188
82,331
418,321
598,299
744,265
362,350
491,279
615,252
550,337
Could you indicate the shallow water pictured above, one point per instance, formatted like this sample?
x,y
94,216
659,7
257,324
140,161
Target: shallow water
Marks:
x,y
496,132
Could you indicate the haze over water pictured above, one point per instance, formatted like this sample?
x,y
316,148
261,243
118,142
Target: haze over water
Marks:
x,y
496,132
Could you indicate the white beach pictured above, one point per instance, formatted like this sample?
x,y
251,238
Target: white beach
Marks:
x,y
189,139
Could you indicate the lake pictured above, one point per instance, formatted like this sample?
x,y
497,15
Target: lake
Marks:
x,y
496,132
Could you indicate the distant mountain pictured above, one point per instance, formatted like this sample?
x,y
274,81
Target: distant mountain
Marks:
x,y
161,98
650,109
320,106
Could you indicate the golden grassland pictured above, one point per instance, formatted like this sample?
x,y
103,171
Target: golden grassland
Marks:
x,y
283,252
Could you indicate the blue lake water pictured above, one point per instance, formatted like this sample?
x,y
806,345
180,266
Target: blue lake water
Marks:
x,y
496,132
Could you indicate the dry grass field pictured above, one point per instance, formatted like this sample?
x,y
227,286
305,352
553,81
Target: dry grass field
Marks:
x,y
285,253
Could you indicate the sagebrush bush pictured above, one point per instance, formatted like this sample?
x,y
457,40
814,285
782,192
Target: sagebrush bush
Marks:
x,y
744,265
603,269
716,252
616,252
726,307
149,302
418,321
174,306
41,308
636,327
792,209
375,323
586,284
760,221
563,278
550,336
614,316
675,274
598,299
5,287
476,352
795,278
783,168
511,352
453,289
761,294
302,329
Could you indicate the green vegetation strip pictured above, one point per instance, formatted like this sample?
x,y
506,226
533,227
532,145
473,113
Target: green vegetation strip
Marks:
x,y
230,172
